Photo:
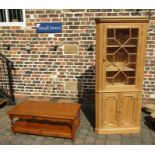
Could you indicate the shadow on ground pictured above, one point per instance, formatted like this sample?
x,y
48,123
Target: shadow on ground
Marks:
x,y
2,105
149,122
86,94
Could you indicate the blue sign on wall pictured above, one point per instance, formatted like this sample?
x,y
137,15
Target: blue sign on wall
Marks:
x,y
49,28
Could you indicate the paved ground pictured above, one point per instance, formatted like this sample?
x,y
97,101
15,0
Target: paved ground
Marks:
x,y
85,134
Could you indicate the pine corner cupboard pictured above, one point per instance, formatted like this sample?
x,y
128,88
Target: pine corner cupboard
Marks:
x,y
120,54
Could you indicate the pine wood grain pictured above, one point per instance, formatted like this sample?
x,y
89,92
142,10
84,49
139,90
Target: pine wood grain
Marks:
x,y
118,103
46,118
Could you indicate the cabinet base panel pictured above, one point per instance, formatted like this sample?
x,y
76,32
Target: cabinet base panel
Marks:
x,y
118,131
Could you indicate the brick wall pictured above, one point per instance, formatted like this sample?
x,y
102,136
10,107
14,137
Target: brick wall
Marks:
x,y
45,73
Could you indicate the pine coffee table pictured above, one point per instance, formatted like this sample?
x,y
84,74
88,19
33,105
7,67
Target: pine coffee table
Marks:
x,y
46,118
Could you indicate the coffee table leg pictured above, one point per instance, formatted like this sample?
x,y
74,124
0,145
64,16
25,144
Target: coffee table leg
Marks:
x,y
73,130
12,123
78,118
75,124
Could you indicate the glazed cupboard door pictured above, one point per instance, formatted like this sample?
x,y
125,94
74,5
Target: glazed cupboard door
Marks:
x,y
121,55
110,107
129,109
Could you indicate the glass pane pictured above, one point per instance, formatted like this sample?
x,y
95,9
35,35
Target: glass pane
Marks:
x,y
110,33
110,58
120,79
112,42
132,58
121,58
134,33
132,42
112,50
109,81
131,49
131,66
131,81
15,15
122,35
129,73
111,74
2,15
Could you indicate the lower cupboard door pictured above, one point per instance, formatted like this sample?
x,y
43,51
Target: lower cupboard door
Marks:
x,y
109,109
128,109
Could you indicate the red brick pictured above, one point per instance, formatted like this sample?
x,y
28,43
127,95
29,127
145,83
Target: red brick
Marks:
x,y
35,67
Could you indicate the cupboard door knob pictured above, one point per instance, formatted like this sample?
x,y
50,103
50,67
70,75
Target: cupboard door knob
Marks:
x,y
103,60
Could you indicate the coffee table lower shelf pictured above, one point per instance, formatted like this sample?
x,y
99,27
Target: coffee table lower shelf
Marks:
x,y
44,129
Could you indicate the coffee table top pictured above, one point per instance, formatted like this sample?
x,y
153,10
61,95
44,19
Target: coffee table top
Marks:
x,y
45,109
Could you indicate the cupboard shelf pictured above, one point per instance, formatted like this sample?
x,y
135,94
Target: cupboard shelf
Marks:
x,y
121,46
110,69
